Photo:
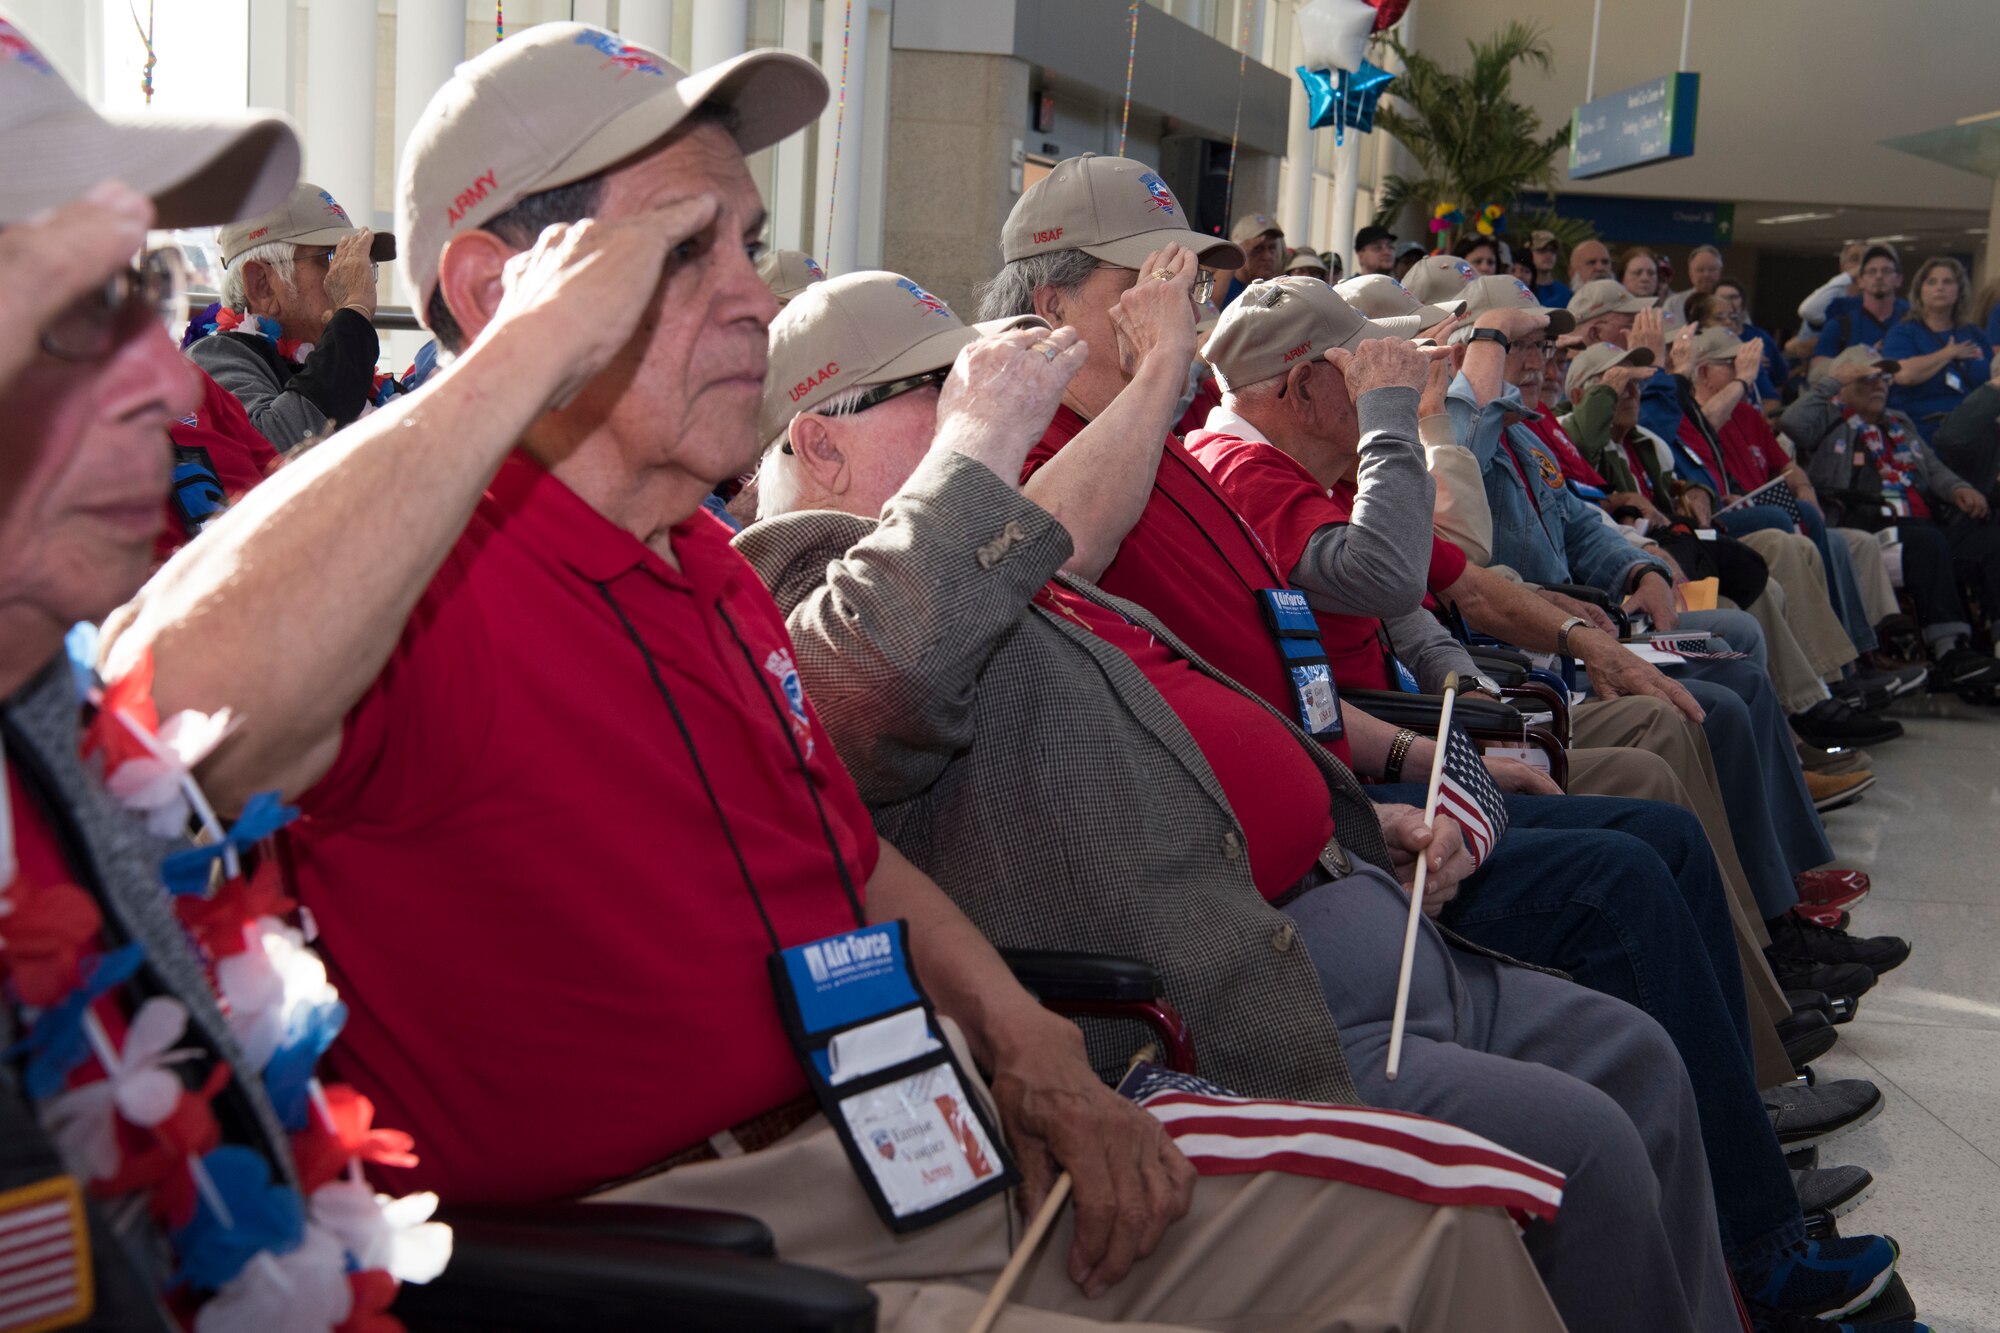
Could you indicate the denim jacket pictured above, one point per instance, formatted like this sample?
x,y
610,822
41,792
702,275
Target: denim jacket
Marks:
x,y
1541,529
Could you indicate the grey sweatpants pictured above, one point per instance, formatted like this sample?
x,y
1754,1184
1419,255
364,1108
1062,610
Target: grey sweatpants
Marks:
x,y
1579,1081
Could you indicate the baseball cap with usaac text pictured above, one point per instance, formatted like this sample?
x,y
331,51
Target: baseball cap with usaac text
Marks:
x,y
1279,323
559,102
856,331
1111,208
197,171
308,217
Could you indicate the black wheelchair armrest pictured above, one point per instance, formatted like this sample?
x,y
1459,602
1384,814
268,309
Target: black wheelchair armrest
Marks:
x,y
703,1228
1597,597
1419,712
1055,975
519,1276
1507,666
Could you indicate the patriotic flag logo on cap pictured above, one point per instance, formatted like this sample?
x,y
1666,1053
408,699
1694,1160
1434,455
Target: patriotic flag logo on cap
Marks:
x,y
44,1257
1394,1152
1468,794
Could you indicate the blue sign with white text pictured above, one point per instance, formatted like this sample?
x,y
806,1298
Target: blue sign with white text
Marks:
x,y
1653,122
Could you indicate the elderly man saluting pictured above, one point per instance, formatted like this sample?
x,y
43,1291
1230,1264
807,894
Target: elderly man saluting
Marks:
x,y
548,738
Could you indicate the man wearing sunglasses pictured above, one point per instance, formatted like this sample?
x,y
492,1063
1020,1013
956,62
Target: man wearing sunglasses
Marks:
x,y
293,337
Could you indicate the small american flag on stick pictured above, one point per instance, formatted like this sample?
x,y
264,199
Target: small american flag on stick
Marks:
x,y
1469,795
1773,492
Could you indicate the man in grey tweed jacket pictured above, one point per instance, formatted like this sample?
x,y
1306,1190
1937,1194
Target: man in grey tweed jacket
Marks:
x,y
1034,771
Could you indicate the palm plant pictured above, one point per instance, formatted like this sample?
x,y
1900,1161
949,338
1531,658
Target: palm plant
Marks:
x,y
1474,144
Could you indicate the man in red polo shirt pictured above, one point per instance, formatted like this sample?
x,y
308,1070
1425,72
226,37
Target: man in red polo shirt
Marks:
x,y
564,795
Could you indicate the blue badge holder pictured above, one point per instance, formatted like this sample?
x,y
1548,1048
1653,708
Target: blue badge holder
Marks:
x,y
1290,620
920,1141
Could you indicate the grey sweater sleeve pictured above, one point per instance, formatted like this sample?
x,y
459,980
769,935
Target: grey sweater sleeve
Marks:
x,y
1375,564
1428,649
285,417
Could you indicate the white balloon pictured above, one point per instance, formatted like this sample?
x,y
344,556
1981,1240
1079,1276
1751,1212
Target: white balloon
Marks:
x,y
1334,33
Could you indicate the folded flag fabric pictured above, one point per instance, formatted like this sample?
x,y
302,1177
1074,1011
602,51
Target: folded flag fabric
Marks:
x,y
1468,794
1700,646
1773,492
1413,1156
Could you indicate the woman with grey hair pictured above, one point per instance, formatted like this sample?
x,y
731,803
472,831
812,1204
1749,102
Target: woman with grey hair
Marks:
x,y
1943,355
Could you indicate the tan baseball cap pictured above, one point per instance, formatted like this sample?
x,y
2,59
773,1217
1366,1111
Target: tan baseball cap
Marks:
x,y
1861,354
1594,360
308,217
1303,259
1605,296
1279,323
789,272
1715,344
1252,225
857,330
198,170
1439,278
1504,291
1389,303
1542,240
558,102
1112,208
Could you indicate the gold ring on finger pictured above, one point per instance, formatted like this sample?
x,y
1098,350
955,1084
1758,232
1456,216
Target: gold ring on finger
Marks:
x,y
1163,274
1046,348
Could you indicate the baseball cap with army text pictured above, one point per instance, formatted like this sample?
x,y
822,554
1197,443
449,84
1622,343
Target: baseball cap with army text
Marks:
x,y
560,102
859,330
1111,208
308,217
1280,323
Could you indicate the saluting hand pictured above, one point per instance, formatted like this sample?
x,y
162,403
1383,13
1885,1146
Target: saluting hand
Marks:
x,y
1002,392
1155,316
1387,363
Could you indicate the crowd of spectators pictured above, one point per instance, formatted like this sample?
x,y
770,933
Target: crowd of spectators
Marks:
x,y
633,750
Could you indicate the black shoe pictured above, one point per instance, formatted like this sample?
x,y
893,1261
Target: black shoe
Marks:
x,y
1808,1117
1870,691
1837,981
1807,1034
1962,669
1793,938
1838,1190
1832,722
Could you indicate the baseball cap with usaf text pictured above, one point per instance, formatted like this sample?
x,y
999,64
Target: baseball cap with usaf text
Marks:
x,y
560,102
1111,208
858,330
309,217
1279,323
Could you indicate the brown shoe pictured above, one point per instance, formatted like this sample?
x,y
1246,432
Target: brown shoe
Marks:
x,y
1830,791
1816,760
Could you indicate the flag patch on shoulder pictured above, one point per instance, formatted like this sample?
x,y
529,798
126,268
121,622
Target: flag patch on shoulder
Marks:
x,y
45,1278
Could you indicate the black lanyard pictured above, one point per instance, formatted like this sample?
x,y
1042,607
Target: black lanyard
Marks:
x,y
701,771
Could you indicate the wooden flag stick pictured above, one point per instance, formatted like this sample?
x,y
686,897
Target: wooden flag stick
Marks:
x,y
1031,1240
1417,888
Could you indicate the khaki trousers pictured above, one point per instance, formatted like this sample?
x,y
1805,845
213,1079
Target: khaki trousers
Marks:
x,y
1268,1252
1871,575
1643,748
1805,607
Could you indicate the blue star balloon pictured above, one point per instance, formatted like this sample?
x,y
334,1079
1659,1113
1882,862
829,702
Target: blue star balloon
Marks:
x,y
1322,96
1359,92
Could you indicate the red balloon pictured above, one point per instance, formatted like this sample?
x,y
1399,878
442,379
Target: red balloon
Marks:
x,y
1387,12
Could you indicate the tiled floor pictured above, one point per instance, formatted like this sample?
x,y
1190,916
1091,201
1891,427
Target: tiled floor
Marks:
x,y
1929,1034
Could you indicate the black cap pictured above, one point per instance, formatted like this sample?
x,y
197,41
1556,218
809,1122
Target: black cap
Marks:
x,y
1368,235
1882,252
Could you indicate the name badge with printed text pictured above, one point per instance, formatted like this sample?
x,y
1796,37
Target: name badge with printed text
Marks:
x,y
1290,619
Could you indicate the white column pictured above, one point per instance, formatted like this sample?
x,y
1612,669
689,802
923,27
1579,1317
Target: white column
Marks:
x,y
1295,209
838,250
597,13
648,23
720,29
789,224
340,103
430,41
271,83
1346,162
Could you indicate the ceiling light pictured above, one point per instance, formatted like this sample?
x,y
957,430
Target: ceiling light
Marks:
x,y
1793,217
1896,239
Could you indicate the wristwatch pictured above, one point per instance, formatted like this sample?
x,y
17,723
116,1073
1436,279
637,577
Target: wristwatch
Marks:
x,y
1492,336
1562,633
1399,750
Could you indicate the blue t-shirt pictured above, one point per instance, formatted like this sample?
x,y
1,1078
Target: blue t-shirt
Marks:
x,y
1927,403
1849,315
1993,326
1555,293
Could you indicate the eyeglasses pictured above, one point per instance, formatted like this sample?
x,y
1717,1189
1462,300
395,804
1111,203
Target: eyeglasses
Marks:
x,y
879,394
95,324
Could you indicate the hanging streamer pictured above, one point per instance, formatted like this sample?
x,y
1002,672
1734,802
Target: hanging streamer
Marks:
x,y
1235,130
499,21
1131,58
146,40
839,132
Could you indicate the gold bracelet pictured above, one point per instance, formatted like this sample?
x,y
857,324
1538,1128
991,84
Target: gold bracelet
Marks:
x,y
1399,750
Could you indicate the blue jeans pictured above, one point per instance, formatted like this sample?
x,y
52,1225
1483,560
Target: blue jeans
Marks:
x,y
1626,898
1843,585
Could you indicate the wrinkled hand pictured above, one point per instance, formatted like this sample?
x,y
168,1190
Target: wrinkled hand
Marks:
x,y
1749,360
1386,363
578,293
1649,330
50,261
1131,1183
1620,376
1970,502
1616,673
1700,506
1657,598
1403,829
1680,357
1442,330
1848,374
1434,400
1598,617
1001,393
350,275
1155,317
1519,778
